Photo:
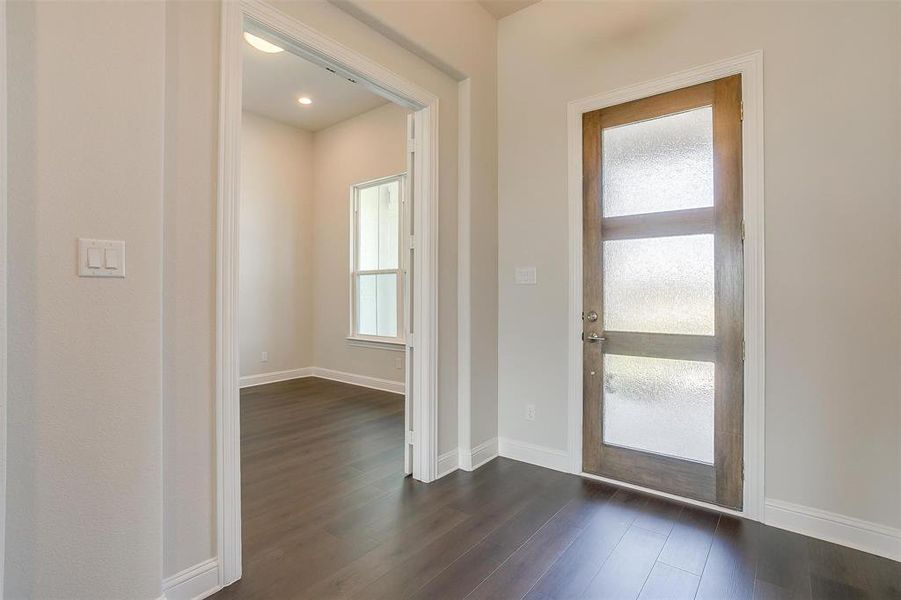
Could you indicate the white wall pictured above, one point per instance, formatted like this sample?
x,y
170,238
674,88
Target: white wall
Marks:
x,y
365,147
832,221
276,243
85,490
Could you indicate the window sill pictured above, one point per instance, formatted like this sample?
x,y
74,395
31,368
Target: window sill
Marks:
x,y
383,344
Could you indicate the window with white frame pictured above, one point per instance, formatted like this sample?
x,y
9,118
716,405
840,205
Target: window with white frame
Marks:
x,y
376,265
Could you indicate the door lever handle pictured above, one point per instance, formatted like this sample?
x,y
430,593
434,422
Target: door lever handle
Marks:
x,y
593,337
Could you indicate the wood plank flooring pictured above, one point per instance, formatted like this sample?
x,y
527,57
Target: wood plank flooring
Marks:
x,y
327,514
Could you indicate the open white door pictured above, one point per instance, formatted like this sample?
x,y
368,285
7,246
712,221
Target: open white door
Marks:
x,y
407,240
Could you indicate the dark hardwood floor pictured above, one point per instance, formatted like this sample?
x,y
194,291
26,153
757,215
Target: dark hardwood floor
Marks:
x,y
327,514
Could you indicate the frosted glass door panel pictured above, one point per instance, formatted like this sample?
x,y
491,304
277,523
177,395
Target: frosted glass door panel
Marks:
x,y
658,165
660,285
377,305
659,405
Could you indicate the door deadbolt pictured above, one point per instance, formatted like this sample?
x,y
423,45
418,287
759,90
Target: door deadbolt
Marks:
x,y
591,316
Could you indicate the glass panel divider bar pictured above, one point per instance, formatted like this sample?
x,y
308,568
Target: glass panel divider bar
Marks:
x,y
661,345
662,224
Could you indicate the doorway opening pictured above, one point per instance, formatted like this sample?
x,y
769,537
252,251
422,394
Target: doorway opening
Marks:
x,y
328,179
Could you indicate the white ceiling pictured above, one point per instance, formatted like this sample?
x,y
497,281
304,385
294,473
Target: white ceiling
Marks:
x,y
503,8
274,82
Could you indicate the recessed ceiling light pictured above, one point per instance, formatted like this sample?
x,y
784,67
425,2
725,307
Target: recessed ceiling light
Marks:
x,y
304,100
261,44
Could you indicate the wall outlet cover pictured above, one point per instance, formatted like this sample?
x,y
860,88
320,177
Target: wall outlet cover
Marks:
x,y
526,276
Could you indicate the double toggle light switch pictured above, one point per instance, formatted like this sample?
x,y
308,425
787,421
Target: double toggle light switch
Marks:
x,y
101,258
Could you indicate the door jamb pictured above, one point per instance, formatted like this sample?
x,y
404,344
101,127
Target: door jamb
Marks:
x,y
327,52
750,67
4,185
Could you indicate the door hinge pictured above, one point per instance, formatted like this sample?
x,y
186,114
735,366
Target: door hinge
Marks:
x,y
410,340
741,109
743,350
411,145
411,244
743,230
410,437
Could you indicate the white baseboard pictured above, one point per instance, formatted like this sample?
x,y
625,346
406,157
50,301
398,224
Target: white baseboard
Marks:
x,y
542,456
470,461
194,583
386,385
847,531
447,463
839,529
274,377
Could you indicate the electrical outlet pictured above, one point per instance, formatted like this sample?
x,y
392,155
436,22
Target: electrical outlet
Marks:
x,y
525,276
398,363
264,357
530,412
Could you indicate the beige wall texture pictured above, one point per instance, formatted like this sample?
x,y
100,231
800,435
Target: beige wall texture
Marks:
x,y
86,140
365,147
275,301
831,109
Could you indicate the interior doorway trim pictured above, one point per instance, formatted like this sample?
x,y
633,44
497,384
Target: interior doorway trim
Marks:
x,y
4,184
324,51
750,67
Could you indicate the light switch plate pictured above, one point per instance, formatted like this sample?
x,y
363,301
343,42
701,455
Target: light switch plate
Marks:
x,y
101,258
525,276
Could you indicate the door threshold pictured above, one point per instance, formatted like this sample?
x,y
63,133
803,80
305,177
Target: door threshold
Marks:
x,y
668,496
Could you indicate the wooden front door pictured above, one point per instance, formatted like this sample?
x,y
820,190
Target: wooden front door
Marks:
x,y
662,301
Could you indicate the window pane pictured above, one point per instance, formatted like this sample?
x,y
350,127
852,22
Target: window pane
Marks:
x,y
659,405
367,305
387,305
389,215
659,285
377,305
368,229
378,225
658,165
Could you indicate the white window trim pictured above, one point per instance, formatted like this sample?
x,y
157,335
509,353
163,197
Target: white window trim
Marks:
x,y
373,341
380,343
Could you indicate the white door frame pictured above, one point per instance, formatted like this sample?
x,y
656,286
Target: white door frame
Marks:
x,y
4,184
750,67
320,49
